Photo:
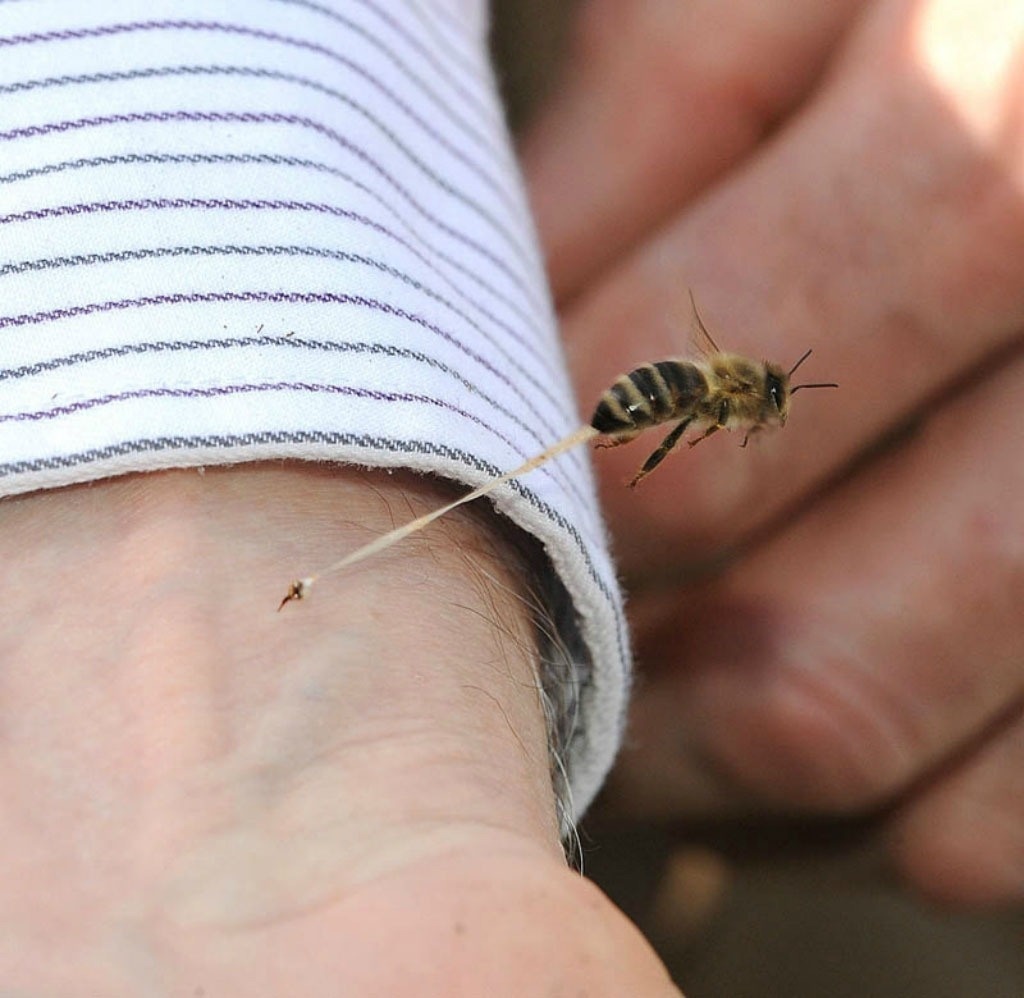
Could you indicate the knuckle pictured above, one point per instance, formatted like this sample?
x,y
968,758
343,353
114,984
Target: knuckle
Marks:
x,y
814,744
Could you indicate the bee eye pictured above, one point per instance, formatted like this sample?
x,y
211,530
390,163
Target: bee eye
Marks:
x,y
775,392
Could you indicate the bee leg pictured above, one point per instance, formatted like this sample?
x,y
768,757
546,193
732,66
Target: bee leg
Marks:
x,y
713,428
661,453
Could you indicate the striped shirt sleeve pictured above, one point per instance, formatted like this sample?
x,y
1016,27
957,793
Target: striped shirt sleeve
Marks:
x,y
234,231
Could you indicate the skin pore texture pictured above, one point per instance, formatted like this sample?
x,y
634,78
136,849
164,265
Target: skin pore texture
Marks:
x,y
203,796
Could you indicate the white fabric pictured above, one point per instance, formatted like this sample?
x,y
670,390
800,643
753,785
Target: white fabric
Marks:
x,y
285,229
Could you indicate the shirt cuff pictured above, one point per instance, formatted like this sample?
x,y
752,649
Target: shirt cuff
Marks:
x,y
288,229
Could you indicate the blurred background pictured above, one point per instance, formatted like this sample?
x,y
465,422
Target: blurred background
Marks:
x,y
801,910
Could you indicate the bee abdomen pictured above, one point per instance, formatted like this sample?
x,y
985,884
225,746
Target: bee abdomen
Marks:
x,y
649,395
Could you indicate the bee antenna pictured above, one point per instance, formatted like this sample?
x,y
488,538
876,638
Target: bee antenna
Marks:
x,y
798,363
818,384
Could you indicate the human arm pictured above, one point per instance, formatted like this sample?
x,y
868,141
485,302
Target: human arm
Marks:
x,y
284,232
205,796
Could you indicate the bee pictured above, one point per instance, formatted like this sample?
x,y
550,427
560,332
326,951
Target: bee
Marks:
x,y
720,391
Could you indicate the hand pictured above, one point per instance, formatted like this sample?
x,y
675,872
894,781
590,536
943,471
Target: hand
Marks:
x,y
848,177
203,796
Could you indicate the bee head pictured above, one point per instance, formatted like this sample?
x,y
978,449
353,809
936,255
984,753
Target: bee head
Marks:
x,y
777,393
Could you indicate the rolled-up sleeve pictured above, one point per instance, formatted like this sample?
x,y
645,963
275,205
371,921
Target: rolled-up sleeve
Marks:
x,y
288,229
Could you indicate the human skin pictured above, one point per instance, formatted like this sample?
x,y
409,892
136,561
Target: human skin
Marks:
x,y
847,177
204,796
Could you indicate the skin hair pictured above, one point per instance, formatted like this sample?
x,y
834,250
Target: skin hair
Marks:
x,y
352,797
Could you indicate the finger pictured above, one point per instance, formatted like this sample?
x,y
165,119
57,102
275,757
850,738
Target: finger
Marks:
x,y
884,228
963,840
658,98
865,646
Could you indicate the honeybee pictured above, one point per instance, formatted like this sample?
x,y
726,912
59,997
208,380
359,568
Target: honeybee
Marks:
x,y
720,391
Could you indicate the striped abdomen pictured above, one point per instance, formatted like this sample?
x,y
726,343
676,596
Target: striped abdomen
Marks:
x,y
651,394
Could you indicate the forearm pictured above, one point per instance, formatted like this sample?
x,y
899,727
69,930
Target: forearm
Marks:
x,y
183,765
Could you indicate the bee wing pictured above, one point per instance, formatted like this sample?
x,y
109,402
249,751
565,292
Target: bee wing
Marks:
x,y
698,341
702,340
